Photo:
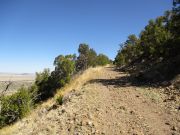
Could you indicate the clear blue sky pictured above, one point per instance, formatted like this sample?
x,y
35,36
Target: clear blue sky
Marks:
x,y
34,32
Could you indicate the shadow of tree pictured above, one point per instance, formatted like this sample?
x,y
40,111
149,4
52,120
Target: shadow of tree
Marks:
x,y
124,81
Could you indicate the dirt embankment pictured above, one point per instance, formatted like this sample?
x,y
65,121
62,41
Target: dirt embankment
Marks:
x,y
108,103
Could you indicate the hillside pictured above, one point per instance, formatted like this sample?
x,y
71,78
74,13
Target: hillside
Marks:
x,y
105,101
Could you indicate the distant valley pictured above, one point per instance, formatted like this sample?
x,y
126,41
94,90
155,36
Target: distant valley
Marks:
x,y
17,80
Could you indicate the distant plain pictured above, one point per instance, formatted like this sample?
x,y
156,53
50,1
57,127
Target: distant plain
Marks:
x,y
16,80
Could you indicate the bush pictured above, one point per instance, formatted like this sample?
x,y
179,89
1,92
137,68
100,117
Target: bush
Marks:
x,y
89,58
33,90
64,69
48,82
43,85
59,99
15,106
102,60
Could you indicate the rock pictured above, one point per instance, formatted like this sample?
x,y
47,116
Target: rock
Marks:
x,y
71,122
102,133
93,131
76,133
89,123
168,88
174,128
167,123
90,116
53,107
97,109
132,112
165,100
173,98
122,108
63,110
79,123
171,87
44,110
178,108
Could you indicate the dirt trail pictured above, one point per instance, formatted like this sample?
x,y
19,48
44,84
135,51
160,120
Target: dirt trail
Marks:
x,y
109,104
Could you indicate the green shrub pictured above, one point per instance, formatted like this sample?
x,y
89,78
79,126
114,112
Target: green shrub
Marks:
x,y
43,85
64,68
102,60
59,99
15,106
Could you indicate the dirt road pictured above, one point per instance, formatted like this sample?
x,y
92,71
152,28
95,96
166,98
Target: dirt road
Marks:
x,y
109,104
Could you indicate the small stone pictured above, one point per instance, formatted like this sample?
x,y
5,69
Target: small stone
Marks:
x,y
178,108
63,111
97,109
174,128
79,123
44,110
103,133
90,116
71,122
171,87
132,112
167,123
89,123
168,89
122,108
93,131
76,133
165,100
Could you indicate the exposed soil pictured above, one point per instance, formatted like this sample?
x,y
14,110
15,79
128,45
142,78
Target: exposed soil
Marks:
x,y
110,104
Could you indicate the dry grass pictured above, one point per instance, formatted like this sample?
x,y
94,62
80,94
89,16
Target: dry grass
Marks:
x,y
81,79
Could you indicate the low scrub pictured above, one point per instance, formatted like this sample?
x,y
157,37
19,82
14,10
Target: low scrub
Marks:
x,y
14,107
59,99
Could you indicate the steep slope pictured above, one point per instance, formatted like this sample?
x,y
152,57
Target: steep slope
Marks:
x,y
104,101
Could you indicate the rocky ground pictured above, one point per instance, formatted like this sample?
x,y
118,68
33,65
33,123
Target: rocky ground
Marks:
x,y
109,104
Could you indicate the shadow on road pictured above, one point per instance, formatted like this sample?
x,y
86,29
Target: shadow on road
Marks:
x,y
123,81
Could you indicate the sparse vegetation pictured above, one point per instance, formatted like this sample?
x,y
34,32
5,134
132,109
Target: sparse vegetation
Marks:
x,y
15,106
65,67
59,99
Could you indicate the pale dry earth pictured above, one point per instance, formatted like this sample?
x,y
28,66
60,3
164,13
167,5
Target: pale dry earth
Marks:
x,y
16,77
108,104
16,80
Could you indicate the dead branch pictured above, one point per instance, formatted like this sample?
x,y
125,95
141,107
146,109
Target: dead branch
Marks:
x,y
8,84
